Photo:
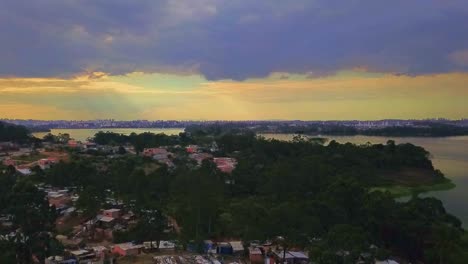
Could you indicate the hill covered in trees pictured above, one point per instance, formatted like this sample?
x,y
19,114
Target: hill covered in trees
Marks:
x,y
10,132
421,129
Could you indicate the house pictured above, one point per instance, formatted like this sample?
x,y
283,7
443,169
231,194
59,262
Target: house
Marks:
x,y
167,245
127,249
8,146
58,199
387,261
255,255
105,221
224,164
209,247
90,145
46,163
291,257
82,255
59,260
23,170
72,143
9,162
163,245
151,152
237,247
191,149
114,213
224,249
200,157
100,251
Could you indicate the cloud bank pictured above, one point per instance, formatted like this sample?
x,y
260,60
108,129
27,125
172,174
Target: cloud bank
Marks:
x,y
225,39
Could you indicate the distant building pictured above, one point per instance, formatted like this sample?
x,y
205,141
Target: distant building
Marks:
x,y
9,162
46,163
255,255
90,145
237,247
82,255
58,199
114,213
73,143
224,249
127,249
23,170
200,157
192,149
224,164
291,257
151,152
387,261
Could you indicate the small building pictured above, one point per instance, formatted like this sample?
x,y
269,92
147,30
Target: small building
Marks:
x,y
72,143
291,257
191,149
59,260
23,170
255,255
166,245
237,247
151,152
105,221
225,164
127,249
209,246
163,245
46,163
224,249
82,254
387,261
100,251
58,199
113,212
9,162
200,157
90,145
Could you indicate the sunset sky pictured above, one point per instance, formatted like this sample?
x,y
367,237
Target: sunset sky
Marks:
x,y
233,59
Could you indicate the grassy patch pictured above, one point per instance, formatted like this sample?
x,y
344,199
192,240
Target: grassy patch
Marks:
x,y
30,158
411,177
401,191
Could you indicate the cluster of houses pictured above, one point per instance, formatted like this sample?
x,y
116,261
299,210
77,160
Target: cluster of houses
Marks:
x,y
162,155
230,252
195,153
101,254
25,168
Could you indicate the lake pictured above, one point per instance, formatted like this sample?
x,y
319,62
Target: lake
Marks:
x,y
449,154
84,134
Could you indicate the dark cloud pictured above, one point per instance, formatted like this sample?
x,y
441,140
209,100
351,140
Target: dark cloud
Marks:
x,y
231,39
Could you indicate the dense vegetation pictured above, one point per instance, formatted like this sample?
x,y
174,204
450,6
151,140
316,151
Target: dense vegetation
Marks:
x,y
141,141
10,132
318,197
424,129
314,196
31,217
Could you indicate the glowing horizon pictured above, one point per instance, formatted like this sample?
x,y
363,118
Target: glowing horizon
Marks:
x,y
346,95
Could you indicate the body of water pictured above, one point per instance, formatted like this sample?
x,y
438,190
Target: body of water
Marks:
x,y
84,134
449,154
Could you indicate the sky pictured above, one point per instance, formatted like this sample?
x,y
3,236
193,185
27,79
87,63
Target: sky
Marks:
x,y
233,59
